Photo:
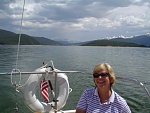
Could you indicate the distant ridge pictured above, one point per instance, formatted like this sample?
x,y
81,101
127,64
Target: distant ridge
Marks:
x,y
46,41
106,42
135,41
10,38
141,39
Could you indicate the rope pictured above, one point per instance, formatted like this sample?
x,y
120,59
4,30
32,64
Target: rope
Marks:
x,y
19,86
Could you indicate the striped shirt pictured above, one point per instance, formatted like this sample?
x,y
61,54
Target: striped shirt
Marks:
x,y
90,102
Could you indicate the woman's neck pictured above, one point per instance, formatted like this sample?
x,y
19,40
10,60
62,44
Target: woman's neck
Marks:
x,y
104,95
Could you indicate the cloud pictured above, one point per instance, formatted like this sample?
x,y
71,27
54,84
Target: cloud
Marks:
x,y
76,20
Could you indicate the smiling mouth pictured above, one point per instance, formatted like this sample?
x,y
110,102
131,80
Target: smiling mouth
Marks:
x,y
101,82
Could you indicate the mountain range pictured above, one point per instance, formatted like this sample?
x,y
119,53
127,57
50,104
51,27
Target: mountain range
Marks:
x,y
10,38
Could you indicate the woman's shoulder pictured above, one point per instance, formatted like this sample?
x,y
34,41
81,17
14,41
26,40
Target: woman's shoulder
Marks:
x,y
121,102
119,98
89,91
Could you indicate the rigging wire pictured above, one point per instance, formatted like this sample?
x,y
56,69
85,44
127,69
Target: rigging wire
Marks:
x,y
20,36
18,47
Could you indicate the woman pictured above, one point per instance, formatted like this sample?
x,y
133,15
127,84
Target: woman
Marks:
x,y
102,99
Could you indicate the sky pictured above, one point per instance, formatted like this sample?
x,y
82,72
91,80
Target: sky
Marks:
x,y
76,20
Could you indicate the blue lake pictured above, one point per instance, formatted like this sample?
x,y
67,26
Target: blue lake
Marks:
x,y
128,62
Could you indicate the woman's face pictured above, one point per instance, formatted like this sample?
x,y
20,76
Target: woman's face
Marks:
x,y
103,80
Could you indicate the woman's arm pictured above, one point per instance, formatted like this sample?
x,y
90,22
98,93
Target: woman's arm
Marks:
x,y
80,111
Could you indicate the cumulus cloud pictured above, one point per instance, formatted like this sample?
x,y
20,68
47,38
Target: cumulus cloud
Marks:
x,y
76,20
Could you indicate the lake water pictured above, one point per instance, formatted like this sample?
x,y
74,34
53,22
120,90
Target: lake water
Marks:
x,y
128,62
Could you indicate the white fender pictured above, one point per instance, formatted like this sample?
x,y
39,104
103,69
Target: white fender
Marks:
x,y
34,104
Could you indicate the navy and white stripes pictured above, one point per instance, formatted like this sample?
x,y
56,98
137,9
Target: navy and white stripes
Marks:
x,y
90,102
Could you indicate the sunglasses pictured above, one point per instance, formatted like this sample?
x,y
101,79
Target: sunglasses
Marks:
x,y
96,75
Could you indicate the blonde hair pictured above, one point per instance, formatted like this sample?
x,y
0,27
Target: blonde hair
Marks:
x,y
108,69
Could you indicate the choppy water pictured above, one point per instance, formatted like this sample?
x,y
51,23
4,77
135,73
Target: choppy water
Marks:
x,y
127,62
